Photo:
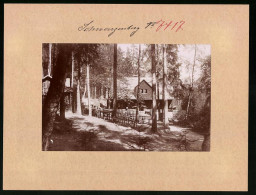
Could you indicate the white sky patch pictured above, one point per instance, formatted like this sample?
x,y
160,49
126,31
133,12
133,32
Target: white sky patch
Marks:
x,y
124,47
185,57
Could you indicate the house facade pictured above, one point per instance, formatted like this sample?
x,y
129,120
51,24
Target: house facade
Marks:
x,y
145,96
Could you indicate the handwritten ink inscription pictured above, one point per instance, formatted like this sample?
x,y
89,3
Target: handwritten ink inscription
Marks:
x,y
170,25
157,26
90,27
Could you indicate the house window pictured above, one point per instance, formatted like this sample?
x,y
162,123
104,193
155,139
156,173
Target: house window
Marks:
x,y
144,91
67,83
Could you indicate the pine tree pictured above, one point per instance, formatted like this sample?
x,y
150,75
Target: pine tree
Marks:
x,y
165,110
115,81
154,106
138,90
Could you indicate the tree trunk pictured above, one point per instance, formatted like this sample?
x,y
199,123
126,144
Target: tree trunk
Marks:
x,y
101,92
88,89
158,99
85,83
191,88
84,94
72,71
108,99
54,94
154,106
157,83
72,84
138,89
78,92
74,102
95,92
50,60
78,99
188,105
165,109
115,81
207,108
62,106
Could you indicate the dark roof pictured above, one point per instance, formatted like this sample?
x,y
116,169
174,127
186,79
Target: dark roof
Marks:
x,y
145,82
130,83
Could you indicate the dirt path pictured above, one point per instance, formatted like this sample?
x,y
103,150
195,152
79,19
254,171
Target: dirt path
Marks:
x,y
84,133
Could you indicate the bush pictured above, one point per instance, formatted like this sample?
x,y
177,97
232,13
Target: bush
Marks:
x,y
201,122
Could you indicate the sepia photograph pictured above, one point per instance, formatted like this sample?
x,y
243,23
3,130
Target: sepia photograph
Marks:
x,y
126,97
134,97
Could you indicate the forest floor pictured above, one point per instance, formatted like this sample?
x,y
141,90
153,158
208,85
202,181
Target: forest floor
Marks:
x,y
84,133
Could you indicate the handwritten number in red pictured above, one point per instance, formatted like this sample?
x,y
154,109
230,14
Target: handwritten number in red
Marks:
x,y
169,25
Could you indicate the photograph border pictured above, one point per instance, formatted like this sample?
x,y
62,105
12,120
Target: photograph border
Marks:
x,y
252,94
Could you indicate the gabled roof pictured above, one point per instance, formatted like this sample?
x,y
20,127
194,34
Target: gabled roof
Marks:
x,y
46,78
145,82
130,83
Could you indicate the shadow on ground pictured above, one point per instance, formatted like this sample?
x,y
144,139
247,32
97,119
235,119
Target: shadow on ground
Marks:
x,y
83,133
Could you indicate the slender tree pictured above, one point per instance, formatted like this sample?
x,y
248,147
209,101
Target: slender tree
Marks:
x,y
78,99
157,81
72,70
154,106
85,54
74,89
165,110
138,89
206,124
78,91
88,88
205,88
101,92
191,86
50,60
62,106
62,99
95,91
115,81
158,101
56,88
